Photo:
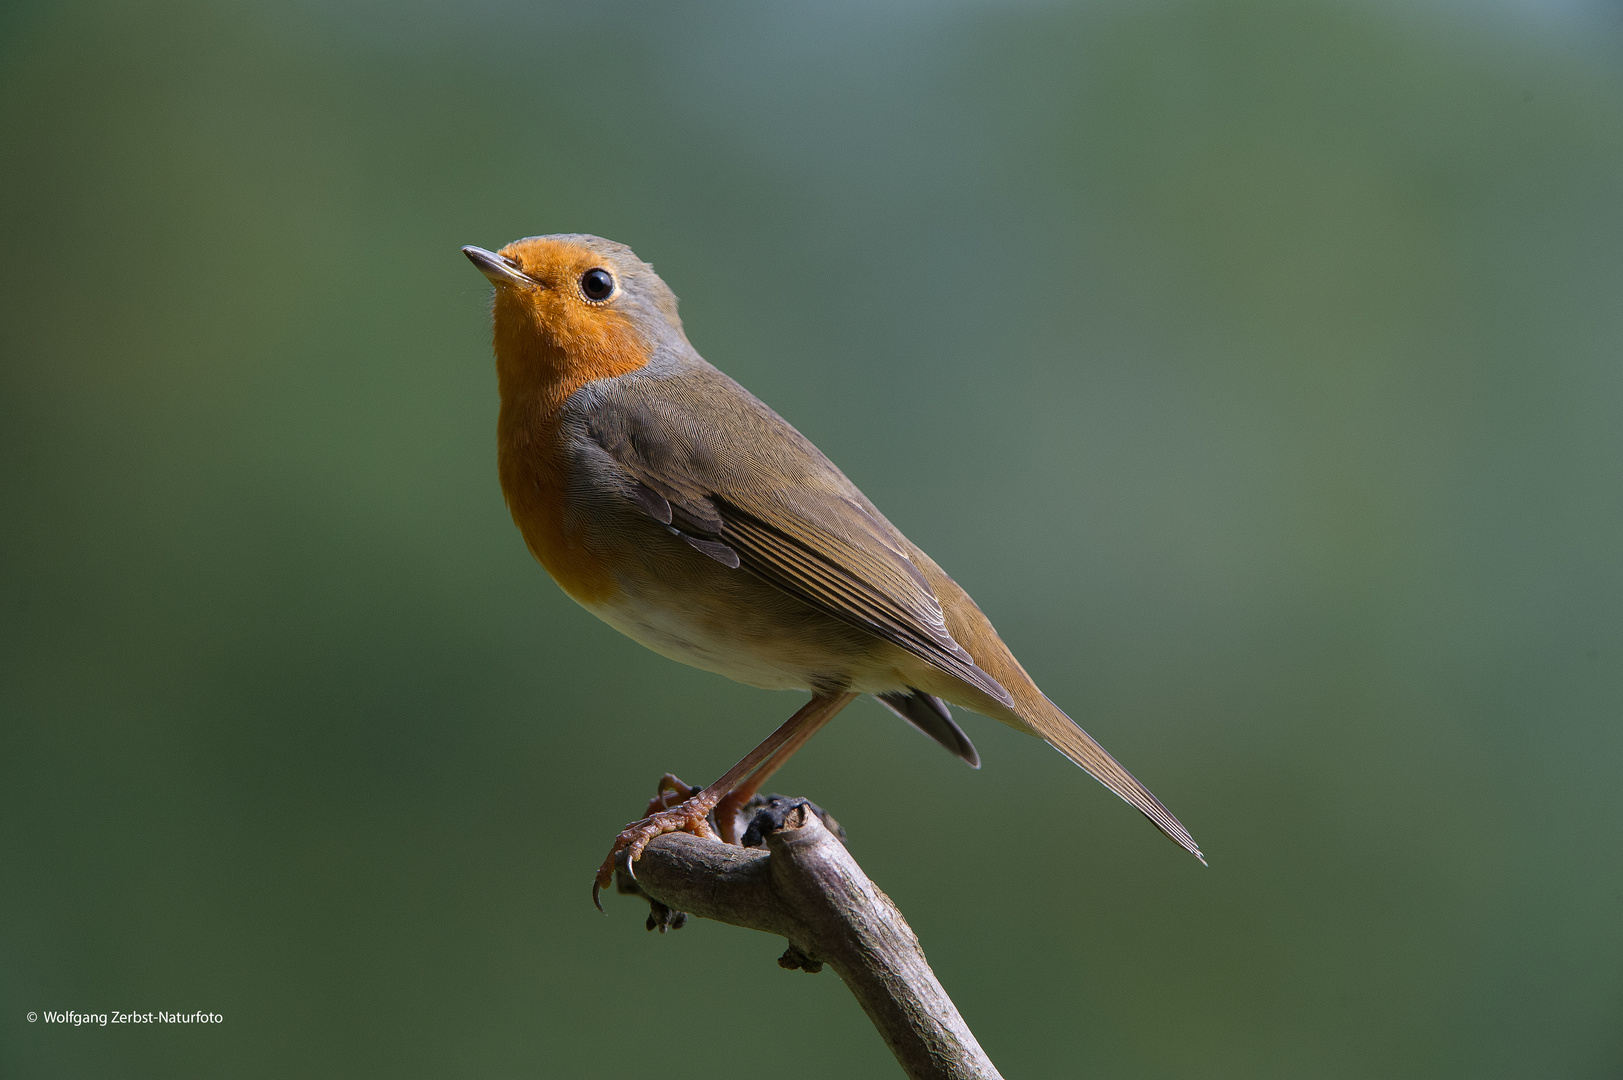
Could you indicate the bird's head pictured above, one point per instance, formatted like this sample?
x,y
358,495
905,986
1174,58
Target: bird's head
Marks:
x,y
575,306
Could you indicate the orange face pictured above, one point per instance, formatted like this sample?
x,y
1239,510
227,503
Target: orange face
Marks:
x,y
567,325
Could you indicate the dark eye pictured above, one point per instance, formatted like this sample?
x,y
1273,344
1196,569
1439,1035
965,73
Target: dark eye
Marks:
x,y
597,283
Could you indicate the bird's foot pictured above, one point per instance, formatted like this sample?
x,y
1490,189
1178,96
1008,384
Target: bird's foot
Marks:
x,y
691,815
671,792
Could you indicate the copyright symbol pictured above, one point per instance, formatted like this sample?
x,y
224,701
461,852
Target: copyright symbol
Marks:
x,y
32,1017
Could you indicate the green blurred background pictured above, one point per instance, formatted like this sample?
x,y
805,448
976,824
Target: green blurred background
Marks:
x,y
1257,365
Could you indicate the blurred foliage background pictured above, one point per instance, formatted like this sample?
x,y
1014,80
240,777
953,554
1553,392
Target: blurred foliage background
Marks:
x,y
1255,363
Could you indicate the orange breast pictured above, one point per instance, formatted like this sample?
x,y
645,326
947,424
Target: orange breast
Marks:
x,y
539,364
533,478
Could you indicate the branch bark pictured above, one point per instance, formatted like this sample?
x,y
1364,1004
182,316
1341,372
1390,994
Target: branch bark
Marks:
x,y
804,886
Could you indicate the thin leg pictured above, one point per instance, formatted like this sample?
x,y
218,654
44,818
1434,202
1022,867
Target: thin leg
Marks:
x,y
690,815
731,803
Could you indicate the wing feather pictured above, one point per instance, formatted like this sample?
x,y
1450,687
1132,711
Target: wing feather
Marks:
x,y
805,533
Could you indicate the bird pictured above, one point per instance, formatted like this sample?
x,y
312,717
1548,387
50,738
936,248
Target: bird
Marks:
x,y
674,505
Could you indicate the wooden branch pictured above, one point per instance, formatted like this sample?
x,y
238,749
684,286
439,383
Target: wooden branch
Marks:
x,y
807,888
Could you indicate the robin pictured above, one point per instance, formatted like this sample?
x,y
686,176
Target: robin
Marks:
x,y
671,503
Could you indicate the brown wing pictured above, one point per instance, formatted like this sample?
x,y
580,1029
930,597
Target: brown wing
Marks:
x,y
704,457
742,486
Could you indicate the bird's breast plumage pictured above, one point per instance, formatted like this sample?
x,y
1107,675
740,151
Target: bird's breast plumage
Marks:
x,y
535,477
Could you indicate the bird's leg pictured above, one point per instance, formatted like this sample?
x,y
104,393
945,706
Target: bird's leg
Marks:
x,y
690,814
726,812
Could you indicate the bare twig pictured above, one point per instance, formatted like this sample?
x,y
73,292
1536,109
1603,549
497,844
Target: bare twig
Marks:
x,y
806,887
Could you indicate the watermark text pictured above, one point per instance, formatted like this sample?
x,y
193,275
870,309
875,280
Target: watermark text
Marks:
x,y
113,1017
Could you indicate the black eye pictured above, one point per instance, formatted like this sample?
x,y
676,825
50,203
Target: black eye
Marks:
x,y
597,283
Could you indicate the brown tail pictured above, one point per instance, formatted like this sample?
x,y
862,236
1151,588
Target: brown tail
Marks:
x,y
1061,732
1032,711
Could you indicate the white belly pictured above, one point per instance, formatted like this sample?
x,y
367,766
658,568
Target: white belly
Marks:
x,y
755,635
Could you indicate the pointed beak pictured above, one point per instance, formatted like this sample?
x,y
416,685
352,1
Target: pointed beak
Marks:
x,y
496,268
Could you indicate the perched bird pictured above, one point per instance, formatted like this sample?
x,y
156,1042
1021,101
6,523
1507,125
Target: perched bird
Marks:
x,y
672,504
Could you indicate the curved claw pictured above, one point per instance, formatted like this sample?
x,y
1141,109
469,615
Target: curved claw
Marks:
x,y
689,816
604,877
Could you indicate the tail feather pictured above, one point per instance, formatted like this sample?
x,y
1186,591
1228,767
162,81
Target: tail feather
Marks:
x,y
1062,733
1030,709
